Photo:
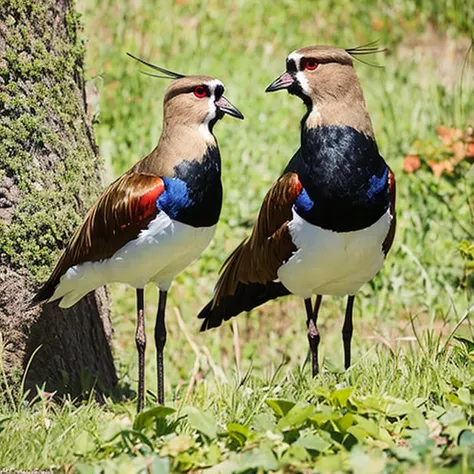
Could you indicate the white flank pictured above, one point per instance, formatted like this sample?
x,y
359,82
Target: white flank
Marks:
x,y
158,254
333,263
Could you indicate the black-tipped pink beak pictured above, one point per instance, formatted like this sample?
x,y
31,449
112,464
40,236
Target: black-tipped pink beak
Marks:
x,y
227,108
285,81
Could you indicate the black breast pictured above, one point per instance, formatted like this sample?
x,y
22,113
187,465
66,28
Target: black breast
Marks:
x,y
345,179
193,195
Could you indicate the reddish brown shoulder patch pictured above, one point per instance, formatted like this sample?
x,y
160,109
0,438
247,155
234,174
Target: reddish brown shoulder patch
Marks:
x,y
146,206
295,186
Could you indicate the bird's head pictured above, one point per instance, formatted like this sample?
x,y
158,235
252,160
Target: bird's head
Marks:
x,y
325,79
196,101
316,73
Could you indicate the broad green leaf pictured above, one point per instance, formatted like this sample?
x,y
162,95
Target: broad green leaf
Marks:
x,y
226,467
280,407
370,404
372,462
262,458
470,174
452,398
418,402
312,442
346,421
325,414
435,411
456,382
146,418
341,396
464,395
230,466
405,453
214,454
202,422
176,445
263,422
421,442
466,438
88,469
384,436
238,432
159,466
294,456
364,427
454,430
237,427
296,416
84,443
398,407
332,463
416,418
369,426
359,433
452,417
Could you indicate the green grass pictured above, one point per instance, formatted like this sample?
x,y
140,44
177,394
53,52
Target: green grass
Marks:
x,y
407,404
391,412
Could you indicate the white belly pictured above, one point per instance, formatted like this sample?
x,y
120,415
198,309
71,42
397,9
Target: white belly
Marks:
x,y
333,263
158,254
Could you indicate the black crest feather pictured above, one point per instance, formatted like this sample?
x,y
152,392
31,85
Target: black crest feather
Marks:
x,y
167,73
369,48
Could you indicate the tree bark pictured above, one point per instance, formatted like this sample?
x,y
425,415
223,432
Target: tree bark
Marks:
x,y
49,176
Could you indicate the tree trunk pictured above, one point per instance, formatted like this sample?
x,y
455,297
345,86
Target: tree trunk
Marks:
x,y
49,176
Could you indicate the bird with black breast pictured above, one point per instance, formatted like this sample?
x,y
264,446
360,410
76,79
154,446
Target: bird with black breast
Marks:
x,y
328,222
155,219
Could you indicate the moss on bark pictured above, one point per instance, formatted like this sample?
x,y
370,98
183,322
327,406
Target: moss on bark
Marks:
x,y
46,146
49,176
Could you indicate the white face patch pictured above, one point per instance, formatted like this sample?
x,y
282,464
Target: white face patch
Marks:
x,y
301,78
212,109
296,57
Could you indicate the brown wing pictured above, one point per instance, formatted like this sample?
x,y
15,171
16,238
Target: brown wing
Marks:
x,y
122,211
258,258
387,244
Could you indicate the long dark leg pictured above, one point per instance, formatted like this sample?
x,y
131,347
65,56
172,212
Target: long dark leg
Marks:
x,y
313,333
140,340
347,332
160,341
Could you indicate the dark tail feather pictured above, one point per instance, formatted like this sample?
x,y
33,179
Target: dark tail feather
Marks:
x,y
246,297
43,294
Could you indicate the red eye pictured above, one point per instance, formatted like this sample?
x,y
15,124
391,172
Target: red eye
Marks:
x,y
200,92
310,64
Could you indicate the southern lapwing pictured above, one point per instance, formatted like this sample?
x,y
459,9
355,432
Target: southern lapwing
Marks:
x,y
326,225
158,217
